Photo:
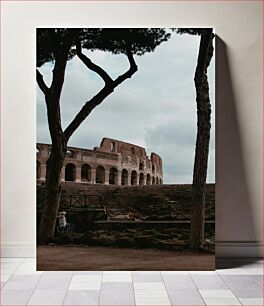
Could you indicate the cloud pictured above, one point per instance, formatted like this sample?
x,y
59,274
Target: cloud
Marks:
x,y
156,108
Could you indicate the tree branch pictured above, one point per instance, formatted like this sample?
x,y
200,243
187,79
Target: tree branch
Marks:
x,y
132,69
44,88
98,99
86,110
89,64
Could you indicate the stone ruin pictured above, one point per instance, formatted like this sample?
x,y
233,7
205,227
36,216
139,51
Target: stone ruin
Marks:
x,y
115,162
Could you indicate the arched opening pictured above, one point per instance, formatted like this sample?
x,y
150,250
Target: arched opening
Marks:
x,y
100,175
70,154
86,173
141,179
70,172
153,180
38,170
133,150
153,168
148,179
133,177
160,181
157,180
113,176
124,179
141,166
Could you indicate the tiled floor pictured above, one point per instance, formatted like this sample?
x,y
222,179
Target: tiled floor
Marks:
x,y
239,282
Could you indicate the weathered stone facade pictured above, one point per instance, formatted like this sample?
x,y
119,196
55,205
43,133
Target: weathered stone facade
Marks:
x,y
114,162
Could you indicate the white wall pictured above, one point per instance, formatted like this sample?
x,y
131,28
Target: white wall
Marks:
x,y
238,24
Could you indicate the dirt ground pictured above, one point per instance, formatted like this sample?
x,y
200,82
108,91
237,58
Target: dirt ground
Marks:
x,y
78,258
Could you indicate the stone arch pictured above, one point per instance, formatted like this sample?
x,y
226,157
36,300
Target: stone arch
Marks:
x,y
100,175
124,179
141,166
70,172
133,177
153,168
141,178
148,179
153,180
70,154
38,170
113,176
86,173
157,180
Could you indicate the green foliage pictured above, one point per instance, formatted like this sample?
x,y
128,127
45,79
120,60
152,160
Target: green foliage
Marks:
x,y
51,41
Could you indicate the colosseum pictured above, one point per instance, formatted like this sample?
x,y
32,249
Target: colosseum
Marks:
x,y
114,162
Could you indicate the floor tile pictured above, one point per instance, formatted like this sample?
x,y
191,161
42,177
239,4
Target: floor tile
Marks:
x,y
251,301
5,277
117,272
20,285
209,282
248,293
24,278
88,273
146,277
117,297
117,278
233,271
158,302
254,271
258,279
15,297
149,286
206,273
87,297
85,286
217,294
47,297
53,285
163,273
178,282
220,302
240,282
87,278
117,286
185,297
151,294
54,281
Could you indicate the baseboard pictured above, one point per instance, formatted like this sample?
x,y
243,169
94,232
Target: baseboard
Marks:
x,y
18,249
239,249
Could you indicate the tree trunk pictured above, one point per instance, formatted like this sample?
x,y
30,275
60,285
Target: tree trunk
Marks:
x,y
202,140
53,174
53,194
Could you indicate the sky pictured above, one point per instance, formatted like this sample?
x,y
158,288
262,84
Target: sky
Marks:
x,y
155,109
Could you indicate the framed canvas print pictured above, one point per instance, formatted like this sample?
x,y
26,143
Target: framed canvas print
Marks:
x,y
125,149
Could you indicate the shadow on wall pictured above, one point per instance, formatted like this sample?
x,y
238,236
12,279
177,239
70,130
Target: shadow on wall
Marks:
x,y
234,215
